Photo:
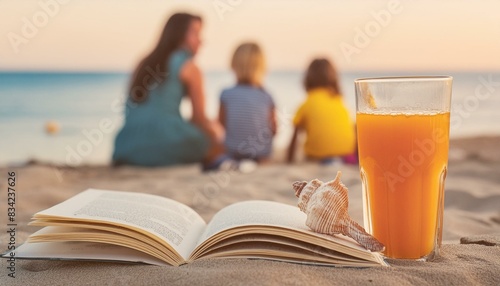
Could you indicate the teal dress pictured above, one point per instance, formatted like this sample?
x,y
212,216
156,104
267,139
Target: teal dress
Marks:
x,y
154,133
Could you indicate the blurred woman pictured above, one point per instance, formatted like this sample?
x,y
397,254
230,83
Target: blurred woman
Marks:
x,y
154,133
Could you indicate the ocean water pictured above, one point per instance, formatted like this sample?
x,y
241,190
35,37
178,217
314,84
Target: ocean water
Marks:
x,y
89,109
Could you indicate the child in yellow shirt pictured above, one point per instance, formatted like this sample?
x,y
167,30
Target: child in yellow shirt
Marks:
x,y
324,117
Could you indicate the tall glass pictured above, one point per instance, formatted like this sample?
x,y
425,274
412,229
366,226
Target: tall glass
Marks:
x,y
403,140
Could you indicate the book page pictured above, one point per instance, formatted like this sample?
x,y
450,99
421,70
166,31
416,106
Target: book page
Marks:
x,y
288,252
83,251
266,213
177,224
78,234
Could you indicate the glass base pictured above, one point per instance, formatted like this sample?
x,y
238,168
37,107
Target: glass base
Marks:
x,y
430,257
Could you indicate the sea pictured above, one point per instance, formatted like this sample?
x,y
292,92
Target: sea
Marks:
x,y
88,109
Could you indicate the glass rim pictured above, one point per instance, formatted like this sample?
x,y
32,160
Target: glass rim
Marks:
x,y
392,79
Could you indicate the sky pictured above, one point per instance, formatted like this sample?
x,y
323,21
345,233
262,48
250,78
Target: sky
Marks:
x,y
359,35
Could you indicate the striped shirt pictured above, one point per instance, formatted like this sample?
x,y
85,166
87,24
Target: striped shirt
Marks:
x,y
248,122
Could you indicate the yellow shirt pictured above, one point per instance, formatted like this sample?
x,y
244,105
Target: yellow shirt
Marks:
x,y
329,128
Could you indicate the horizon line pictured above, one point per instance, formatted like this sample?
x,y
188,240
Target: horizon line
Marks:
x,y
218,70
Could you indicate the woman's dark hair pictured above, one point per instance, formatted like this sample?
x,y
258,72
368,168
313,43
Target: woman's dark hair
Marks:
x,y
171,38
322,73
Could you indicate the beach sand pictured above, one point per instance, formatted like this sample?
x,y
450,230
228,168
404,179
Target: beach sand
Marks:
x,y
470,254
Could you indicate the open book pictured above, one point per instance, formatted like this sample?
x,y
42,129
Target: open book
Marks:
x,y
135,227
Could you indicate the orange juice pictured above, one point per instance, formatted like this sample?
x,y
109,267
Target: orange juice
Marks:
x,y
403,162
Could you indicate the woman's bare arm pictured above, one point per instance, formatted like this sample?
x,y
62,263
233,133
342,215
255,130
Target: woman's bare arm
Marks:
x,y
192,77
222,115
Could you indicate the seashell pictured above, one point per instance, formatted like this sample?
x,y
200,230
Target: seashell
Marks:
x,y
326,207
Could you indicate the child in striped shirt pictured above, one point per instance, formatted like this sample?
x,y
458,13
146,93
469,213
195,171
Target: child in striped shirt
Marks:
x,y
247,111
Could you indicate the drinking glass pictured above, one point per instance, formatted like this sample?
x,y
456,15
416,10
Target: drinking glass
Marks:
x,y
403,140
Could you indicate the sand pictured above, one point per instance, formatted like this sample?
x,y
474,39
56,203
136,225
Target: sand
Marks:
x,y
470,254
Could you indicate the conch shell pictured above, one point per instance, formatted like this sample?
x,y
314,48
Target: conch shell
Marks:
x,y
326,207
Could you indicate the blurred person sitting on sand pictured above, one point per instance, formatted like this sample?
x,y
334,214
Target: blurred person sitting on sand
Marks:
x,y
247,110
330,133
154,133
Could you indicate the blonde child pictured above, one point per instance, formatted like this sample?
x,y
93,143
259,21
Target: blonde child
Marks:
x,y
323,117
247,110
